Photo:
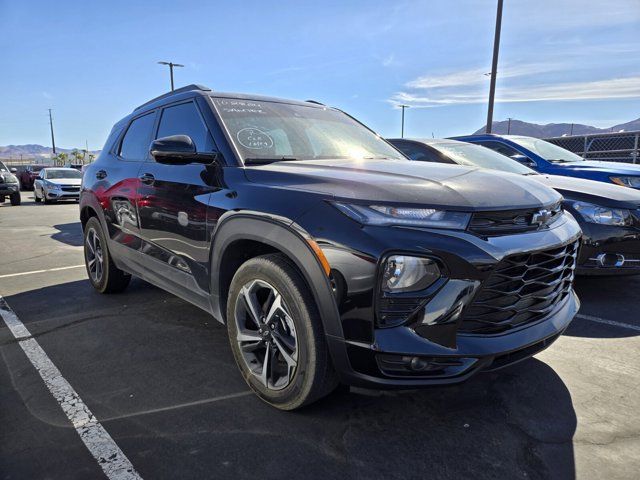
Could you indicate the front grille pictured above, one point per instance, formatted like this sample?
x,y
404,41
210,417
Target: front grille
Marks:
x,y
522,289
490,224
70,189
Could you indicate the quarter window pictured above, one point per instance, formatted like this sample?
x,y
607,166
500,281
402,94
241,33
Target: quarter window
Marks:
x,y
184,119
135,144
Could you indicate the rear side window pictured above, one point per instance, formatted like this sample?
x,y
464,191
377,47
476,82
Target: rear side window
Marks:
x,y
135,144
184,119
416,152
500,148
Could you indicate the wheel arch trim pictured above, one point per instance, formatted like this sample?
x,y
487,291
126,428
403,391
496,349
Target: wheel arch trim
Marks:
x,y
288,239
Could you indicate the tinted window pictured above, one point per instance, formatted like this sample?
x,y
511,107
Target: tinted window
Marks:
x,y
184,119
135,144
51,173
500,148
417,152
3,167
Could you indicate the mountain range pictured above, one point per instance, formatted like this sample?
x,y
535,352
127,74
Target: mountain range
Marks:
x,y
550,130
33,151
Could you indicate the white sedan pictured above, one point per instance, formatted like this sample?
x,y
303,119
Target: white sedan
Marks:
x,y
55,184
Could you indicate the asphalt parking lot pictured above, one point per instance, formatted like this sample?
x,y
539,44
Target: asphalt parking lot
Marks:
x,y
159,376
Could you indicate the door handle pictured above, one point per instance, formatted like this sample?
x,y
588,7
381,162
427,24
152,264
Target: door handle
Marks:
x,y
100,174
147,178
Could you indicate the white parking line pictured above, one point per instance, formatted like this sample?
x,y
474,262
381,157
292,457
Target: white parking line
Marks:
x,y
110,458
609,322
57,269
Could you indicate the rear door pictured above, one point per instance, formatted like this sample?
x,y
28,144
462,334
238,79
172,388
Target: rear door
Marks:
x,y
172,205
115,184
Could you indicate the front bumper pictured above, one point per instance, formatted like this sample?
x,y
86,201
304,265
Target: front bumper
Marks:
x,y
609,250
363,365
61,193
9,188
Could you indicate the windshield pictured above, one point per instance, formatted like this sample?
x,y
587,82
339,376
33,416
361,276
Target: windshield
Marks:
x,y
269,130
475,155
62,173
3,167
548,151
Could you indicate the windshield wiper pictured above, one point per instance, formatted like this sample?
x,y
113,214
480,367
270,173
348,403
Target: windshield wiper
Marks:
x,y
267,160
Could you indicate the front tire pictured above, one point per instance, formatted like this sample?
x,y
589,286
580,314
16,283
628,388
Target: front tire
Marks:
x,y
103,274
15,199
276,334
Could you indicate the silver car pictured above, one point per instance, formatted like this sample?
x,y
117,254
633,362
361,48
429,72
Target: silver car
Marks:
x,y
55,184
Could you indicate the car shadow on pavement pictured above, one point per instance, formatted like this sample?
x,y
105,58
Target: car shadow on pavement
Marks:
x,y
604,299
160,376
69,233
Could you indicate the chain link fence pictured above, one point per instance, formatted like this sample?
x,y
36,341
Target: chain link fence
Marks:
x,y
611,147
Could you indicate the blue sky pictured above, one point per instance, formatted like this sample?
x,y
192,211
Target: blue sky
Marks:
x,y
92,62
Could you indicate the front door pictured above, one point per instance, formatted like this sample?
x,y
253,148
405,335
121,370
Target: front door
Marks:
x,y
172,207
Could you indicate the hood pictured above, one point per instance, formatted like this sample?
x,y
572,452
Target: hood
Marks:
x,y
455,187
6,177
611,168
66,181
600,193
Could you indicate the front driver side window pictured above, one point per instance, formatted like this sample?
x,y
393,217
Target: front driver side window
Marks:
x,y
185,119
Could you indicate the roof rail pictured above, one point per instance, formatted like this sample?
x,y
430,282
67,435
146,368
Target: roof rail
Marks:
x,y
188,88
315,101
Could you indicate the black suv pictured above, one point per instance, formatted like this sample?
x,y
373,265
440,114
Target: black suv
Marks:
x,y
328,254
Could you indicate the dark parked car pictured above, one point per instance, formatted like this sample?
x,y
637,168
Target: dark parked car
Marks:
x,y
609,215
545,157
28,175
330,256
9,185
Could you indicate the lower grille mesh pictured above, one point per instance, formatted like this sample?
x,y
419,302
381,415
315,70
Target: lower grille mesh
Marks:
x,y
523,289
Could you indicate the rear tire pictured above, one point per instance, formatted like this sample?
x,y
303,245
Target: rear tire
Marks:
x,y
283,355
103,274
15,199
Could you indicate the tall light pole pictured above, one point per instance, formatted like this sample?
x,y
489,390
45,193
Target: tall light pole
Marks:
x,y
53,141
494,66
171,65
402,128
509,126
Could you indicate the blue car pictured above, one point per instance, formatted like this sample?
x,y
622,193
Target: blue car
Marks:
x,y
551,159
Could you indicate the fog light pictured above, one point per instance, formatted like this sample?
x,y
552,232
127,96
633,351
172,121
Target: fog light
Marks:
x,y
409,274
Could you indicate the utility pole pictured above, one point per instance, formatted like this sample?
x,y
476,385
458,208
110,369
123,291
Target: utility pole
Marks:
x,y
53,141
494,66
402,128
509,126
171,65
571,133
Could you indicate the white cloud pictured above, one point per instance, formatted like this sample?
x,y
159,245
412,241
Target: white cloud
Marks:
x,y
613,88
479,75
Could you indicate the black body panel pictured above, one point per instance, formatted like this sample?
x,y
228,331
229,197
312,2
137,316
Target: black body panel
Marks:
x,y
187,228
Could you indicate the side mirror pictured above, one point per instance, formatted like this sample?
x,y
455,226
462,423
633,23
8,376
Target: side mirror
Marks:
x,y
178,150
13,170
523,159
38,177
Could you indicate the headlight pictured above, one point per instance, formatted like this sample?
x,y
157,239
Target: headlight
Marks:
x,y
603,215
408,274
633,182
382,215
49,184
